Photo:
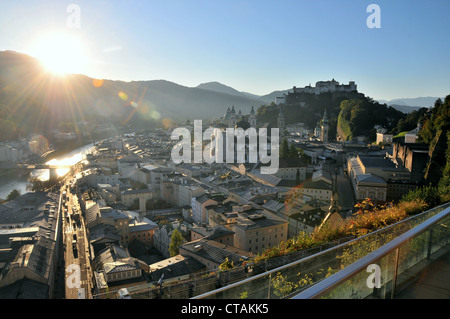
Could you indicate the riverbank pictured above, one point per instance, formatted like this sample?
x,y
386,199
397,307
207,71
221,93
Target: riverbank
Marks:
x,y
17,178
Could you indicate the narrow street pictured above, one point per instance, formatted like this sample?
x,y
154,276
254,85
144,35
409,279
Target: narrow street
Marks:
x,y
76,254
344,189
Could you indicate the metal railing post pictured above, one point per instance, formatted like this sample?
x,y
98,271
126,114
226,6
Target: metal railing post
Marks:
x,y
430,238
394,279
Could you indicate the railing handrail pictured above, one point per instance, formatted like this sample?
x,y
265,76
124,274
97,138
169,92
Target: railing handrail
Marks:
x,y
334,280
275,270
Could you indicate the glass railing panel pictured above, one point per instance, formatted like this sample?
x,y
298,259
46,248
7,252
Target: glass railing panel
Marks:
x,y
291,279
410,255
417,253
440,236
373,282
395,269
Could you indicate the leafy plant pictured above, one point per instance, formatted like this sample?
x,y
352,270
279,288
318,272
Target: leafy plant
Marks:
x,y
226,265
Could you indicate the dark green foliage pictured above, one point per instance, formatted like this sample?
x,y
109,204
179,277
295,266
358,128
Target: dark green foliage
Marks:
x,y
288,151
175,241
358,117
436,120
429,194
436,133
13,195
358,114
293,152
284,148
410,121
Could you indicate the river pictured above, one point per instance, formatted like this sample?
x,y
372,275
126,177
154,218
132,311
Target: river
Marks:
x,y
11,179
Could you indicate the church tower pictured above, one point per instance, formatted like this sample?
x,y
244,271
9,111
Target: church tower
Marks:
x,y
324,133
232,119
252,118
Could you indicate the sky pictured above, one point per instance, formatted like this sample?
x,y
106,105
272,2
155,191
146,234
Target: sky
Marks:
x,y
253,46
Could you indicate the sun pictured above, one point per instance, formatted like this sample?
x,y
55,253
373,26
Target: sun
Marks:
x,y
61,53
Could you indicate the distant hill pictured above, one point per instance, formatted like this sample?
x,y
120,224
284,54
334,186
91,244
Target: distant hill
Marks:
x,y
269,98
222,88
261,99
405,108
32,100
414,103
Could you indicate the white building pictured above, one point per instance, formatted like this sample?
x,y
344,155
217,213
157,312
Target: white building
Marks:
x,y
412,136
199,212
383,136
10,154
93,177
187,191
161,241
365,185
142,195
327,86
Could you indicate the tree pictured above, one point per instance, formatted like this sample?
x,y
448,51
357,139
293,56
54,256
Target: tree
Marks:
x,y
175,241
284,148
293,152
427,193
37,185
13,195
297,177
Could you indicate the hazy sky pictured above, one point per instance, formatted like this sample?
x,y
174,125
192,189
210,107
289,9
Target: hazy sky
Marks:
x,y
253,46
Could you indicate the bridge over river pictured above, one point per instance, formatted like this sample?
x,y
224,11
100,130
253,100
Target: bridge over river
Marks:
x,y
52,168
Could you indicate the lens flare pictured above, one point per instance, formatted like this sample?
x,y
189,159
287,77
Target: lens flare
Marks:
x,y
123,95
38,144
167,123
156,115
97,83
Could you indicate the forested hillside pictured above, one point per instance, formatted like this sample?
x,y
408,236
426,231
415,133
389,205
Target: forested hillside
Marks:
x,y
359,117
435,132
349,115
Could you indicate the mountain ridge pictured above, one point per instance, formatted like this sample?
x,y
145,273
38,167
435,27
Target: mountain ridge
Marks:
x,y
34,99
417,102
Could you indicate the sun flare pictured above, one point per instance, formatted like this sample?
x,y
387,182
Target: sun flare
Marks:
x,y
61,53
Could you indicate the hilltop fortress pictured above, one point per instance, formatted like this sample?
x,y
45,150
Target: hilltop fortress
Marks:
x,y
332,87
327,86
